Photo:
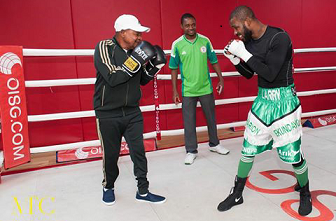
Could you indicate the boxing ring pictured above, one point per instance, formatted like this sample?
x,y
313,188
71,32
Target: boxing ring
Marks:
x,y
219,169
151,108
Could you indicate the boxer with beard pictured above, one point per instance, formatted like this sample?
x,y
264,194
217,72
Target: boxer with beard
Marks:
x,y
274,120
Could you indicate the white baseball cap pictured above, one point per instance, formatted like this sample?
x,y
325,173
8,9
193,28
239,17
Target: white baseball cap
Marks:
x,y
124,22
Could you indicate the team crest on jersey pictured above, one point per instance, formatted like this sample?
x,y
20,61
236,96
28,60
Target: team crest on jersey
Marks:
x,y
203,49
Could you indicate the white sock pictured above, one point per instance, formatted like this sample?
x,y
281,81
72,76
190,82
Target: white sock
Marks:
x,y
143,195
107,189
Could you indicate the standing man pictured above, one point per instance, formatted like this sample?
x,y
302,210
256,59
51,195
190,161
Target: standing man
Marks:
x,y
123,63
275,117
190,53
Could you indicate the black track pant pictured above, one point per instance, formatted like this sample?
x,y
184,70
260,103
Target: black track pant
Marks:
x,y
110,132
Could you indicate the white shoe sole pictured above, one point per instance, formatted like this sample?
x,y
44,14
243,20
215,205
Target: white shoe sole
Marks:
x,y
146,201
215,151
187,163
109,204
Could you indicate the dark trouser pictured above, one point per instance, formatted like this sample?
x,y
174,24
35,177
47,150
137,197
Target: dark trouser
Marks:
x,y
110,132
189,119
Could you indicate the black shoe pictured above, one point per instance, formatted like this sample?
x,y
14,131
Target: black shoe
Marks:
x,y
305,201
150,197
297,187
108,196
235,197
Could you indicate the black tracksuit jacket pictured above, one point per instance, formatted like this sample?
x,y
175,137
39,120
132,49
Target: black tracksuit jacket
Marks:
x,y
117,93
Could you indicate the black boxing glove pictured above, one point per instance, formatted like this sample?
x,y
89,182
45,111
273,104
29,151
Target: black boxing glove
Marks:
x,y
139,56
155,64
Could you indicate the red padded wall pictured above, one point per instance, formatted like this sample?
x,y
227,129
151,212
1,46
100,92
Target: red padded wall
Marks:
x,y
67,24
41,24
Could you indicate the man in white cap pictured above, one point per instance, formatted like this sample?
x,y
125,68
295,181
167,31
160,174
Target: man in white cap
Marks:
x,y
123,63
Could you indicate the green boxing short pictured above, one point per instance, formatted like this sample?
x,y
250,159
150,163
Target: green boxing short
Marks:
x,y
274,121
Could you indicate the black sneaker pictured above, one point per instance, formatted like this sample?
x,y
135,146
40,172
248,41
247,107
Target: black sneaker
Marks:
x,y
150,197
108,197
235,198
305,201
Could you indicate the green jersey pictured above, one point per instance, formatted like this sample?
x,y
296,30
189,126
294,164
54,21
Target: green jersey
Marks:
x,y
191,58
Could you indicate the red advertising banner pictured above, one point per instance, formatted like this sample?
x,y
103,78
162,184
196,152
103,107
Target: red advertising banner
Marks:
x,y
14,121
321,121
86,153
239,128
